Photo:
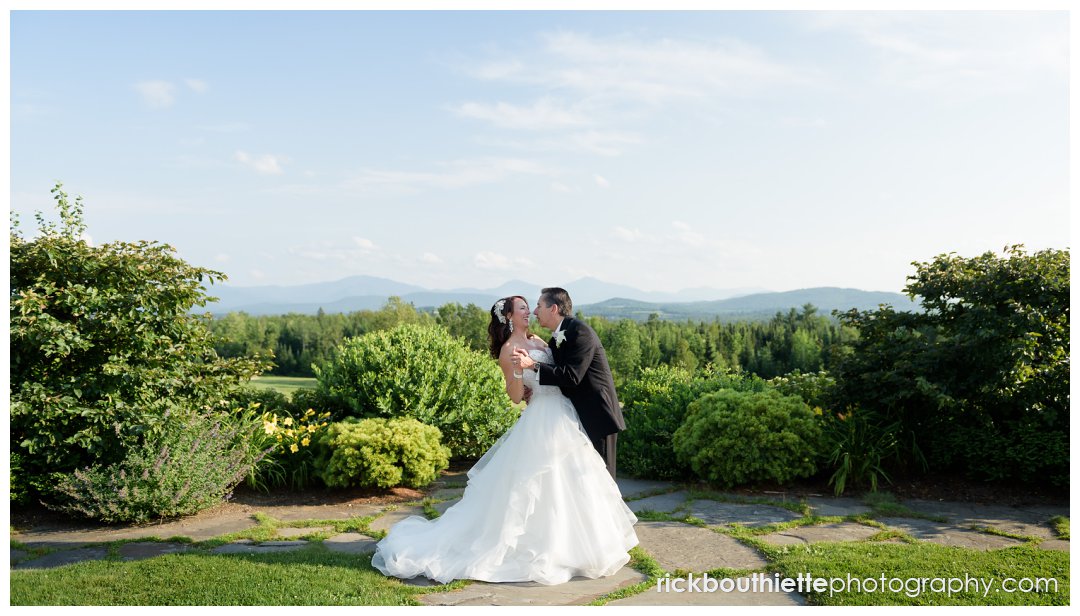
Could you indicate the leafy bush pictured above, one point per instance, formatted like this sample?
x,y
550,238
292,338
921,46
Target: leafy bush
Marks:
x,y
190,465
818,389
306,398
381,453
1026,449
423,373
981,376
104,344
731,437
19,491
266,400
654,406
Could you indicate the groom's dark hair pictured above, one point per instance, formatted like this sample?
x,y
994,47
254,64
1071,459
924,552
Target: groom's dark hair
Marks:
x,y
556,296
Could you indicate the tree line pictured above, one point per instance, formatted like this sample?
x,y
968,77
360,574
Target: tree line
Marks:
x,y
801,340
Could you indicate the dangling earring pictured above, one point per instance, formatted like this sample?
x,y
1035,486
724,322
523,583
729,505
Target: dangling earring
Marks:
x,y
511,327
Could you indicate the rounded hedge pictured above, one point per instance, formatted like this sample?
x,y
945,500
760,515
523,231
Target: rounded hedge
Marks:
x,y
731,438
381,453
425,373
655,404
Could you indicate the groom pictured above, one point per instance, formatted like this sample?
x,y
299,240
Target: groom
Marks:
x,y
581,370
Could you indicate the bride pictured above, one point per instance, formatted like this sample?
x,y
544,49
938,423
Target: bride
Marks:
x,y
539,506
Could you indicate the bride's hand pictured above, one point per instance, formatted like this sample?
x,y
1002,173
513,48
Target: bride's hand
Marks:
x,y
522,359
527,395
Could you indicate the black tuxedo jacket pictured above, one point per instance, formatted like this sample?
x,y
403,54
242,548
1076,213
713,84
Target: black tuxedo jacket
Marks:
x,y
582,373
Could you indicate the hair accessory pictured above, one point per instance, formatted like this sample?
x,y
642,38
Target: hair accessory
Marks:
x,y
497,310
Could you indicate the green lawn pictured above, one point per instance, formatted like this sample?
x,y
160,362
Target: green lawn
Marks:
x,y
310,576
283,384
909,561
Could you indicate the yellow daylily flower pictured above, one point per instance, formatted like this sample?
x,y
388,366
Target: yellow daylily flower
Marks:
x,y
293,448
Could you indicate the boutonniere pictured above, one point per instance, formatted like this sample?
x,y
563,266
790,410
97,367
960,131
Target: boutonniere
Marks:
x,y
560,337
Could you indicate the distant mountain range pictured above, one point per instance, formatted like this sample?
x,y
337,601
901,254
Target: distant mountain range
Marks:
x,y
591,296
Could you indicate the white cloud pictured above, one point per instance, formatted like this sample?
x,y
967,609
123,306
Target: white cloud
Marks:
x,y
355,250
643,70
491,261
157,93
452,175
267,164
431,259
687,235
257,274
222,258
86,238
954,53
488,260
562,188
629,235
197,85
545,114
602,142
227,127
364,243
797,122
601,181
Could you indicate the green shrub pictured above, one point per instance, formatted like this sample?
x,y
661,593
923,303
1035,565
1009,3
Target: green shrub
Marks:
x,y
426,374
1026,449
267,400
654,406
381,453
731,437
190,465
19,491
818,389
104,343
300,400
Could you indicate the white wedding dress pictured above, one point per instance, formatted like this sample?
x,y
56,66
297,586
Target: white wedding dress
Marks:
x,y
539,506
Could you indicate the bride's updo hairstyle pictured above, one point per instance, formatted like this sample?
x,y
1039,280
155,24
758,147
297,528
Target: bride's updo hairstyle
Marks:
x,y
499,327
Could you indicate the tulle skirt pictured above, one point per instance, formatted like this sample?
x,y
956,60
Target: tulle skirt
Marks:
x,y
539,506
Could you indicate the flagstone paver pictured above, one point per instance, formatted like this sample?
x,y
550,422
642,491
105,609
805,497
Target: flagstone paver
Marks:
x,y
442,493
578,591
841,506
292,513
1034,522
735,597
715,513
675,545
663,503
1061,545
387,520
219,521
631,488
802,535
300,532
443,506
266,547
350,543
64,557
149,549
948,534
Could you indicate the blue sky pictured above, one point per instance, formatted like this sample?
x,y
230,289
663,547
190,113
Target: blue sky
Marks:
x,y
662,150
